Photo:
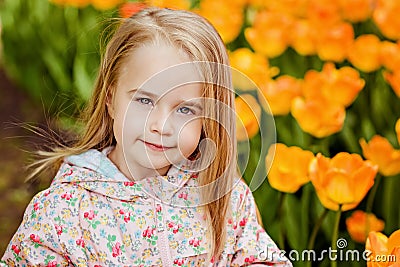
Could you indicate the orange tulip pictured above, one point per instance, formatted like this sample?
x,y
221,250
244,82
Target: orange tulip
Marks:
x,y
295,8
364,53
390,55
303,37
382,153
385,252
339,86
324,12
319,118
276,95
343,180
269,33
393,78
252,64
130,8
333,42
356,10
289,167
248,117
175,4
105,4
361,223
397,128
386,17
226,17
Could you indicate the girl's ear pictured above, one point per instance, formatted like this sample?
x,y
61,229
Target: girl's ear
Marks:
x,y
110,106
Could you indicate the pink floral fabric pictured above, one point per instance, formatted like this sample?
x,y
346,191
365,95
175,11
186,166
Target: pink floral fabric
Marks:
x,y
92,215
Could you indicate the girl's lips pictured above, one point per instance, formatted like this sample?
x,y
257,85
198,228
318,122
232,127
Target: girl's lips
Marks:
x,y
155,147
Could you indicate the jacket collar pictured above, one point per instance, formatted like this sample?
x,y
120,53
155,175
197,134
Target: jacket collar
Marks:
x,y
95,172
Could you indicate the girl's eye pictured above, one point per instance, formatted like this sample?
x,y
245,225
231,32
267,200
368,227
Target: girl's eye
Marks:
x,y
144,101
185,110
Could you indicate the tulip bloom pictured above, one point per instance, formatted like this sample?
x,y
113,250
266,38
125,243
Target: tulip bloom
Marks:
x,y
343,180
333,42
323,12
269,34
319,118
382,153
277,95
295,8
390,55
254,65
289,167
338,86
248,117
356,10
385,252
303,37
397,129
128,9
226,17
393,78
386,17
364,53
360,223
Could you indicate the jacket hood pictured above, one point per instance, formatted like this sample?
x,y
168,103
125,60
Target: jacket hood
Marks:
x,y
95,172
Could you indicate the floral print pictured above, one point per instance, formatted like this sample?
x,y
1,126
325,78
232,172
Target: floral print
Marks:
x,y
92,215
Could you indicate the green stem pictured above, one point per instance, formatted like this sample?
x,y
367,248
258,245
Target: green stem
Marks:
x,y
370,202
335,234
314,232
371,196
280,219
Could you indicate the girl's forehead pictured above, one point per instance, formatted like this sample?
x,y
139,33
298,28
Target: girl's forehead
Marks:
x,y
160,70
157,65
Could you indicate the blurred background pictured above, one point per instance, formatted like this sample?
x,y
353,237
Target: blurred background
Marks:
x,y
328,69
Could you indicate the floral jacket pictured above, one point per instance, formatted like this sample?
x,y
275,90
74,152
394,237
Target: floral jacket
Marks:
x,y
92,215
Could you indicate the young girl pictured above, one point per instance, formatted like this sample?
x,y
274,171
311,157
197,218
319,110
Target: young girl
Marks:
x,y
152,181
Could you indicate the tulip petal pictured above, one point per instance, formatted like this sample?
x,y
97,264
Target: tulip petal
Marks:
x,y
360,223
338,189
394,241
289,168
346,162
381,152
377,243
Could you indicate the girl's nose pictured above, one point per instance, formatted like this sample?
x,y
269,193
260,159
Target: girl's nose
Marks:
x,y
159,121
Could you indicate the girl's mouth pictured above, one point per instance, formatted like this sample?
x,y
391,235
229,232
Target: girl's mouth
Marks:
x,y
156,147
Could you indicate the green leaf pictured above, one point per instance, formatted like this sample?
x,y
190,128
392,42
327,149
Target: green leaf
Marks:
x,y
305,213
293,223
82,79
390,210
57,70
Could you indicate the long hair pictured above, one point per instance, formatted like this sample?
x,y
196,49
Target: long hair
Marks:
x,y
196,37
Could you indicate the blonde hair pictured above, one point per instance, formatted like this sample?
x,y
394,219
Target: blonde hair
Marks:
x,y
196,37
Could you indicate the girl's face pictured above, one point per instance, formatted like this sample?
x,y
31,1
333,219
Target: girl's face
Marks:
x,y
157,118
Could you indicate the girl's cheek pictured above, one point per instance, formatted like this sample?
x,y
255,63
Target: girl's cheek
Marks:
x,y
189,137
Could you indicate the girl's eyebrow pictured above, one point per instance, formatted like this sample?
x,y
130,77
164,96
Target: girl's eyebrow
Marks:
x,y
192,103
143,92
